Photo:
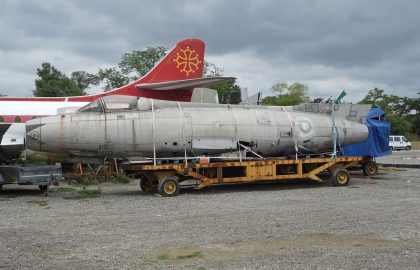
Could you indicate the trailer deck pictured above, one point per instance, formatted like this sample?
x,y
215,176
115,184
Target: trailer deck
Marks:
x,y
165,178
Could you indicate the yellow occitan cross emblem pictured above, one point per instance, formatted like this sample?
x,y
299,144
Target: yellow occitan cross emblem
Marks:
x,y
187,61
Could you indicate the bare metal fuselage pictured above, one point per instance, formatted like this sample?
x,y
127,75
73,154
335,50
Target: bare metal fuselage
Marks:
x,y
174,129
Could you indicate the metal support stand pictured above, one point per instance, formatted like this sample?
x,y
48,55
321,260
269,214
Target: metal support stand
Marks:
x,y
153,133
334,131
250,150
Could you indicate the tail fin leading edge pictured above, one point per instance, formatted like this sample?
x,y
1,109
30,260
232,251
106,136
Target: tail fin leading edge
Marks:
x,y
185,61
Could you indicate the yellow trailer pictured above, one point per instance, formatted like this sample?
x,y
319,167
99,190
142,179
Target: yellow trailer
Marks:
x,y
165,178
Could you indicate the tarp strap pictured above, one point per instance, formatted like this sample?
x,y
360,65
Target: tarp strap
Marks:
x,y
237,135
183,132
250,150
153,133
291,130
334,131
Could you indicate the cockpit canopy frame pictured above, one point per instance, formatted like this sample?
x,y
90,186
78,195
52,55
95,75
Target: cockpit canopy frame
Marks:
x,y
111,104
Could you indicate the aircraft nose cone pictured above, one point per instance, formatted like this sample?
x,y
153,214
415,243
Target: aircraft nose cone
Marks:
x,y
33,135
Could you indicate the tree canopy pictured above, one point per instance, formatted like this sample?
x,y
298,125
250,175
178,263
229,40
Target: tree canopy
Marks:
x,y
132,66
53,83
229,92
140,62
399,111
84,79
292,94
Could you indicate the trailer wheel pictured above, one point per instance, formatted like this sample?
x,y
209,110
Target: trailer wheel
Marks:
x,y
168,187
1,187
145,185
340,177
370,168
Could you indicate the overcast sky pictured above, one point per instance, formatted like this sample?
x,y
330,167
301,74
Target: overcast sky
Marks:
x,y
328,45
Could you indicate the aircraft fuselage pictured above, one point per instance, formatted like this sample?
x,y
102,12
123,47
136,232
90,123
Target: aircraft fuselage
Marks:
x,y
171,129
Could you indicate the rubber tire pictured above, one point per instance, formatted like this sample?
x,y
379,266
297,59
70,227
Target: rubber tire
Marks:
x,y
168,181
408,148
339,173
370,168
392,148
145,185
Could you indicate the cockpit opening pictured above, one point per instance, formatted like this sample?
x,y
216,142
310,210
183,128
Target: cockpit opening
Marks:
x,y
111,103
94,106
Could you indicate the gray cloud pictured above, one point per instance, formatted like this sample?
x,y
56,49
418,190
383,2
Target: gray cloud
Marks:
x,y
329,45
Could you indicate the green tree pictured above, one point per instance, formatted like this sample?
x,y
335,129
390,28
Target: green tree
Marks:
x,y
141,62
133,65
293,94
112,78
53,83
84,79
229,92
389,103
399,124
397,109
211,70
414,105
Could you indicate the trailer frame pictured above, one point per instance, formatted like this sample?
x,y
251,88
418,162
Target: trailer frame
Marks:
x,y
153,177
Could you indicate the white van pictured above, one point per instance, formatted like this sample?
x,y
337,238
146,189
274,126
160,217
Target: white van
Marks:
x,y
397,142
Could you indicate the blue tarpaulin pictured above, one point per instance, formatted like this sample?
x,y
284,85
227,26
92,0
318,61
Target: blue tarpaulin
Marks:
x,y
377,143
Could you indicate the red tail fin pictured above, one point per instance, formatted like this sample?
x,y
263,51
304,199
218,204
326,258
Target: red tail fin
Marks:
x,y
184,61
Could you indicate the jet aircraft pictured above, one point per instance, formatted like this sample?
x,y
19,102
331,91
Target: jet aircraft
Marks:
x,y
130,127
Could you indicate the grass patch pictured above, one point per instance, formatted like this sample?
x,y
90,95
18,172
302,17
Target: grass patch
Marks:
x,y
122,178
5,199
150,261
191,255
201,268
85,194
66,189
39,202
163,257
88,179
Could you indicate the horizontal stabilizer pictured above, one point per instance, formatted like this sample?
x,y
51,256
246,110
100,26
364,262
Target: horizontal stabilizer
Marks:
x,y
183,84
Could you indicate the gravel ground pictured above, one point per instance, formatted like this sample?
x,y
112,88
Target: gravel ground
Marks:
x,y
371,224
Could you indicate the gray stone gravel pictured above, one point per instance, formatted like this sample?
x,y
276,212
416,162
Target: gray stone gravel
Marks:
x,y
371,224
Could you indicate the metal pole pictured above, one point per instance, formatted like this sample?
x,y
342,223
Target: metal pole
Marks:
x,y
153,133
183,133
237,136
292,133
334,131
